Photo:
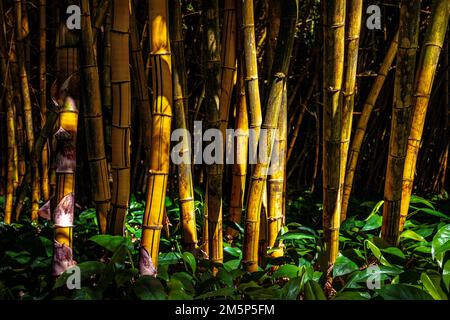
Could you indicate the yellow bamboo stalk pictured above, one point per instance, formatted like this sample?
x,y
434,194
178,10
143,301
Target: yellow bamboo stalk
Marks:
x,y
93,120
429,60
121,120
276,182
180,101
259,175
228,57
334,46
215,170
161,125
361,126
21,33
251,74
353,29
239,170
401,118
43,93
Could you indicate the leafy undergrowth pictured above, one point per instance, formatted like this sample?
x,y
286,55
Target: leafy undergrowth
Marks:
x,y
366,268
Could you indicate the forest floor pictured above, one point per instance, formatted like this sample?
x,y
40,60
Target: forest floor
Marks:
x,y
366,268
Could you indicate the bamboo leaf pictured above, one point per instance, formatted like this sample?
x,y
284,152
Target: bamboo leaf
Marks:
x,y
409,234
403,292
189,260
432,285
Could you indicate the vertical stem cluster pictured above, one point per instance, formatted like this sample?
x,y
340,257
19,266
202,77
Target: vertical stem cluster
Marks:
x,y
363,121
401,117
270,126
429,59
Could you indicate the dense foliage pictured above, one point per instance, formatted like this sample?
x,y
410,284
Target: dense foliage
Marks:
x,y
418,269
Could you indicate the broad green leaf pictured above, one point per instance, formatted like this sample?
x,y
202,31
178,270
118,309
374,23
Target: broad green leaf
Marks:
x,y
343,266
313,291
446,275
295,236
233,251
409,234
149,288
232,264
177,290
108,242
441,243
416,199
375,210
22,257
432,284
223,292
433,212
186,279
189,260
374,222
403,292
352,295
288,270
292,288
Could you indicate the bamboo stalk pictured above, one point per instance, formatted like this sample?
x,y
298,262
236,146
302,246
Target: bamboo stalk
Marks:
x,y
20,32
361,127
251,75
43,94
180,103
259,175
212,103
401,118
429,60
161,125
353,30
143,97
121,120
228,58
333,72
93,121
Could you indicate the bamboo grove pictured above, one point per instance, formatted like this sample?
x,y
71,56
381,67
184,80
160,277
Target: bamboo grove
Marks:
x,y
318,99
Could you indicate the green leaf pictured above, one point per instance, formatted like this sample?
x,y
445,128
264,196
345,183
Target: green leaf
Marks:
x,y
233,251
189,260
374,222
416,199
108,242
292,289
288,271
313,291
223,292
352,295
403,292
446,275
432,284
177,291
22,257
409,234
375,209
149,288
441,243
87,270
343,266
433,212
186,279
169,258
295,236
232,264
